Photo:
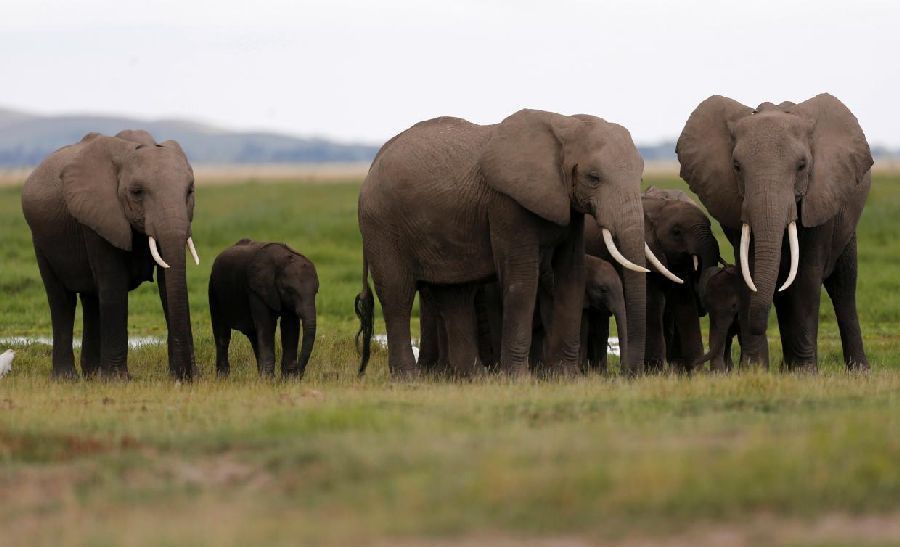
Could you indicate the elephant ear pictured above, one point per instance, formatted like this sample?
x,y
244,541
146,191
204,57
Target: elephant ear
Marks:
x,y
523,160
262,274
841,158
91,188
704,150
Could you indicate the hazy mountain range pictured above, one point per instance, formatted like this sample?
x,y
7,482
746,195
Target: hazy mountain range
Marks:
x,y
25,139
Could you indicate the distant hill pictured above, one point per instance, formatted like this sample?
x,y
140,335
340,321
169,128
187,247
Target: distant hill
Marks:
x,y
25,139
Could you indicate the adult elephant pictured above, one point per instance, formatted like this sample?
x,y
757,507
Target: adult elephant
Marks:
x,y
449,202
798,173
680,240
102,212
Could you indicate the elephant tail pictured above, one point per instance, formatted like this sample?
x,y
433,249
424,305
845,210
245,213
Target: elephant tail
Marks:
x,y
365,311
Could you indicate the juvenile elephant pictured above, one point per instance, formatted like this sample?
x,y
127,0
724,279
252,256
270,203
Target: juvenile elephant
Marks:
x,y
803,169
720,294
680,236
102,212
251,285
449,202
603,298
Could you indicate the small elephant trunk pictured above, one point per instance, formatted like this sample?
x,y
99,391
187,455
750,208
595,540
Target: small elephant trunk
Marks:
x,y
309,338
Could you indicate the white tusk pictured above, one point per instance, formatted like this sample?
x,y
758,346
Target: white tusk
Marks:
x,y
696,263
155,253
745,257
193,251
617,256
795,255
659,266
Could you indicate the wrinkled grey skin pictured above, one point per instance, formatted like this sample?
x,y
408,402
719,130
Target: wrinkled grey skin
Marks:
x,y
90,207
766,167
448,202
676,229
720,294
251,286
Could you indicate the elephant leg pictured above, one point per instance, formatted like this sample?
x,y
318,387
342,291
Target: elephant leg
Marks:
x,y
90,338
682,305
396,291
564,329
517,260
841,287
290,340
486,347
733,332
598,339
457,307
493,310
62,316
429,336
264,322
222,335
585,338
655,347
798,321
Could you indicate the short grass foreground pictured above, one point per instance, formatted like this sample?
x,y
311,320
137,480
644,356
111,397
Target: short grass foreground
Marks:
x,y
760,457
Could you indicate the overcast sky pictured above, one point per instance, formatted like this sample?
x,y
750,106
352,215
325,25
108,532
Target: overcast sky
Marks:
x,y
363,71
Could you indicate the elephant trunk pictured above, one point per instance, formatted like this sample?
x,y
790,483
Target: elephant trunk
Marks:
x,y
629,229
172,243
707,248
767,224
309,337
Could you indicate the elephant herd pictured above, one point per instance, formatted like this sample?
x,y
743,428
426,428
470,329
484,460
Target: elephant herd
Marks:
x,y
521,240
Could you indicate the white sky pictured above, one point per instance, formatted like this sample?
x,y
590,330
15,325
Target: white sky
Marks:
x,y
367,70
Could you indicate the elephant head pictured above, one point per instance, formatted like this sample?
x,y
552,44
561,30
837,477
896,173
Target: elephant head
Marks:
x,y
287,282
603,289
555,165
762,170
679,232
122,188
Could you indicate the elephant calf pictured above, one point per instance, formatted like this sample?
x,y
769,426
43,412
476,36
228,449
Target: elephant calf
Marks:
x,y
720,291
254,283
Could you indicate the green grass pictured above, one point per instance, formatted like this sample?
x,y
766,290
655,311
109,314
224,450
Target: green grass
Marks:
x,y
337,460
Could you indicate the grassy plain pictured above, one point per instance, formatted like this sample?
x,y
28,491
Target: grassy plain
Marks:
x,y
752,458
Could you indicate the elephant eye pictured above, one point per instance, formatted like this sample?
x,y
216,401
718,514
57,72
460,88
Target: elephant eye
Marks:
x,y
801,165
594,176
137,192
676,231
737,166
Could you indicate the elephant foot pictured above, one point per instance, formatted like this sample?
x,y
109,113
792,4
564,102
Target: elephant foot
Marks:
x,y
64,375
861,366
405,374
518,371
806,367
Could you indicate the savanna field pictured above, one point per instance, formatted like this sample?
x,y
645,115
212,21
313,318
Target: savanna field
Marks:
x,y
757,457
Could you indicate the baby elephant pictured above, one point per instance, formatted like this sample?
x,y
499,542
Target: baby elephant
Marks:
x,y
603,299
254,283
720,294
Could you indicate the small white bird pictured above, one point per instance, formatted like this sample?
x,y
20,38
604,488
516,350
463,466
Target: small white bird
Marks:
x,y
6,359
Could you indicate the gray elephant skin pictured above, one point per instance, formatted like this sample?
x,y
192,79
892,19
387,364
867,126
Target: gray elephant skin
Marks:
x,y
449,202
99,211
251,286
788,183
